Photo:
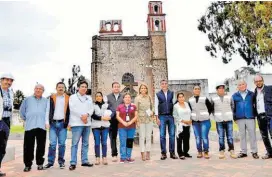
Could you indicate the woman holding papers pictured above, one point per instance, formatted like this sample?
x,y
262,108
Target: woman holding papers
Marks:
x,y
145,121
182,115
100,127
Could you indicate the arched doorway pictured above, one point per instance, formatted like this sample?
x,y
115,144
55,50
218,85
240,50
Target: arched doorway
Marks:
x,y
128,82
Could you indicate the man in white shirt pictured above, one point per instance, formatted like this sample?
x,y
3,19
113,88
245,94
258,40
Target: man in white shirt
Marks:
x,y
57,118
263,106
81,110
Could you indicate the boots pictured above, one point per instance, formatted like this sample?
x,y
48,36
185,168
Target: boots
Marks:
x,y
206,155
199,155
221,154
147,155
97,161
143,156
104,161
233,155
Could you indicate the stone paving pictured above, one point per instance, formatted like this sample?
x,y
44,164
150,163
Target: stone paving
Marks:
x,y
155,167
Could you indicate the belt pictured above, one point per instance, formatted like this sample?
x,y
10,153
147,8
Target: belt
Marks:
x,y
262,114
58,120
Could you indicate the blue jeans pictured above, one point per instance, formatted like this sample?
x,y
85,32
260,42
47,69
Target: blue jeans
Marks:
x,y
126,136
201,130
100,133
167,120
77,133
57,134
223,127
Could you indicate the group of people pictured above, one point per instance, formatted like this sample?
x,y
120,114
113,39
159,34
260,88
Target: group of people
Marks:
x,y
116,114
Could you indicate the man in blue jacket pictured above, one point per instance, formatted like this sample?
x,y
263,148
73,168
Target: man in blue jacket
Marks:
x,y
244,115
263,102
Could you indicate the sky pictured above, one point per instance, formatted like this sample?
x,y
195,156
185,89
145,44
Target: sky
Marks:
x,y
41,40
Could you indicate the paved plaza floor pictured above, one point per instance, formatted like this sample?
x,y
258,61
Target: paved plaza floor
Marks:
x,y
194,167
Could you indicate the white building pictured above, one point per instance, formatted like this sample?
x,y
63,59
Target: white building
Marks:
x,y
247,74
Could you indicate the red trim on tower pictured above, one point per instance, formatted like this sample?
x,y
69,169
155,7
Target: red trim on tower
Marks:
x,y
152,28
149,6
161,8
164,26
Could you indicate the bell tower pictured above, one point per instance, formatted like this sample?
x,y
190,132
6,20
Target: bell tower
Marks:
x,y
157,31
156,18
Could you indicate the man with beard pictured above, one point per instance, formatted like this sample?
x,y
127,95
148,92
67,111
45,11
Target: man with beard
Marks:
x,y
263,109
6,104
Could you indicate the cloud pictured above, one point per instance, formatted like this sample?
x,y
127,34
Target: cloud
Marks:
x,y
41,40
25,33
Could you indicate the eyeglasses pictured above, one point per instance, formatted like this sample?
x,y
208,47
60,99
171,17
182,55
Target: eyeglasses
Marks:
x,y
259,81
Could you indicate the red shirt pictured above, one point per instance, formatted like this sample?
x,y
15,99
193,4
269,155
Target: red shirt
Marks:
x,y
122,114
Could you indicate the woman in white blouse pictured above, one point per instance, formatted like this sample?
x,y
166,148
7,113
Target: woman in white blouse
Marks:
x,y
182,115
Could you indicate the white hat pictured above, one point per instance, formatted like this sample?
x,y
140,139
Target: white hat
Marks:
x,y
7,76
220,84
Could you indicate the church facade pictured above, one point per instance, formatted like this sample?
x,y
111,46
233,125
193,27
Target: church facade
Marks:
x,y
132,60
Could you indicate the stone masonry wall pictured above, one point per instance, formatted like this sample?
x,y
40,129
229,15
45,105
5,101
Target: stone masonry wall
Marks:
x,y
117,56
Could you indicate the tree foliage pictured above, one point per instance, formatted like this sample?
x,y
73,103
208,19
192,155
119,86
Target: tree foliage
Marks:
x,y
243,28
18,99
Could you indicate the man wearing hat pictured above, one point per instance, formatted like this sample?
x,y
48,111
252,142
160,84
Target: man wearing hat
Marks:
x,y
6,104
224,120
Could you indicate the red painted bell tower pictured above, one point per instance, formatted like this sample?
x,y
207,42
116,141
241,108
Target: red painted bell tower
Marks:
x,y
156,17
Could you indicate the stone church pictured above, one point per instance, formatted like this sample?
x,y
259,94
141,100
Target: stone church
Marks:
x,y
132,60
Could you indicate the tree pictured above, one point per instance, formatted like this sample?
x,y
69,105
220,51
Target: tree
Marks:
x,y
243,28
18,99
74,80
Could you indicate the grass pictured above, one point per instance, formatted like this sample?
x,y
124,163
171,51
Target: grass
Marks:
x,y
235,126
17,129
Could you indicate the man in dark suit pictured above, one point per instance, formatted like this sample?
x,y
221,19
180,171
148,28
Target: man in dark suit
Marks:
x,y
263,109
114,99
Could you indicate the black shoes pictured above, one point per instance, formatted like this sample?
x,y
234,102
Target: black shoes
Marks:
x,y
40,167
87,164
2,174
241,155
48,166
72,167
188,155
62,166
182,157
255,155
163,156
173,156
267,156
27,169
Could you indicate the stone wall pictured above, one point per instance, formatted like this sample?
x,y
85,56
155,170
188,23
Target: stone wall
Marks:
x,y
186,86
113,56
159,59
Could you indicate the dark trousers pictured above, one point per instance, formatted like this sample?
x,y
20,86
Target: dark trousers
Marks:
x,y
113,137
264,126
183,141
3,145
3,140
29,142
